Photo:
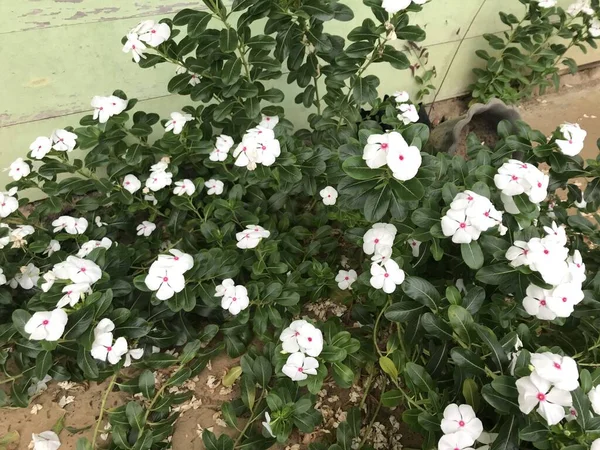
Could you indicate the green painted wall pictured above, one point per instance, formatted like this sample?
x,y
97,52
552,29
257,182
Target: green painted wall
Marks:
x,y
57,54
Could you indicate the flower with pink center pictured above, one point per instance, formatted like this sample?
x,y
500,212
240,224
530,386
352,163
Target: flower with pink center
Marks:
x,y
47,325
215,187
375,152
153,34
104,349
82,270
184,187
298,366
289,336
551,402
251,236
345,279
177,122
537,303
177,260
457,224
576,268
131,183
268,122
519,254
387,276
381,235
40,147
559,370
456,441
73,294
106,107
329,195
135,46
461,418
235,300
408,113
145,228
222,147
564,297
166,282
404,160
19,169
573,139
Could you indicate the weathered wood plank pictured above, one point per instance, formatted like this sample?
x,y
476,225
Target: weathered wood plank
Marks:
x,y
25,15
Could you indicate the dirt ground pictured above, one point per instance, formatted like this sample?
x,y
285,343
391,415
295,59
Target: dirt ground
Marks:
x,y
578,101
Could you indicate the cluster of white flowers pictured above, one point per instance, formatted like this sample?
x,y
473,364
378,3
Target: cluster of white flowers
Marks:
x,y
60,140
223,144
251,236
594,28
386,274
177,122
106,348
573,139
469,215
234,298
70,225
304,342
16,236
159,177
8,203
549,386
146,32
408,112
550,257
258,146
329,195
392,149
165,276
393,6
106,107
461,428
580,6
515,178
89,246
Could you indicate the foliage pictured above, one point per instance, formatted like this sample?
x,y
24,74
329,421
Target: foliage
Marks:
x,y
437,325
529,57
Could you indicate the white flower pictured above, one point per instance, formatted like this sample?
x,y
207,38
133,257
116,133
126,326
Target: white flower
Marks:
x,y
177,122
559,370
267,424
47,440
106,107
511,178
104,326
519,254
227,287
251,236
549,259
2,277
268,151
572,415
576,268
456,224
535,391
135,46
154,34
71,225
594,396
81,270
482,214
564,297
380,235
50,278
329,195
151,199
393,6
556,234
574,139
382,254
309,339
104,349
387,276
19,169
135,353
131,183
461,418
455,441
53,246
98,222
246,153
546,3
594,28
408,113
159,179
73,293
580,6
8,204
595,445
17,236
401,96
502,229
165,281
376,150
404,160
160,166
222,147
40,147
47,325
63,140
537,303
235,300
89,246
28,276
184,187
215,187
345,279
289,336
177,260
298,366
269,121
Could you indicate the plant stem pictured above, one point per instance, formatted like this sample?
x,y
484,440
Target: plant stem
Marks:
x,y
370,427
454,56
251,420
368,385
317,98
376,326
102,406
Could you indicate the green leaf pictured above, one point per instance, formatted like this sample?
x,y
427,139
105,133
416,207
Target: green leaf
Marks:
x,y
495,274
404,311
377,204
470,392
186,300
508,436
87,364
343,375
396,58
197,24
435,326
317,10
388,366
43,362
410,190
356,168
506,386
419,377
411,33
232,375
422,291
365,90
263,371
534,432
391,399
461,321
228,40
581,403
490,339
231,72
498,401
135,415
467,360
146,384
472,255
474,299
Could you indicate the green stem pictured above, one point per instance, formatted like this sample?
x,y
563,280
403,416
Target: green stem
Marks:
x,y
376,326
251,420
368,385
102,406
317,98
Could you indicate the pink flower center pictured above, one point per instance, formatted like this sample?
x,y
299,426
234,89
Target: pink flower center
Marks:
x,y
114,104
414,244
83,269
309,339
346,278
578,266
101,108
570,141
486,214
234,299
543,302
463,225
176,258
539,184
524,166
514,178
386,275
573,412
525,251
267,119
384,146
546,252
564,299
18,169
45,322
470,198
461,423
401,158
155,179
153,31
165,279
109,349
127,183
133,47
541,397
3,204
300,369
557,366
263,147
376,241
69,292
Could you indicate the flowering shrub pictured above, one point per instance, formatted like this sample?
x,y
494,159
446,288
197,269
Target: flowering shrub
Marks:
x,y
528,58
469,288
